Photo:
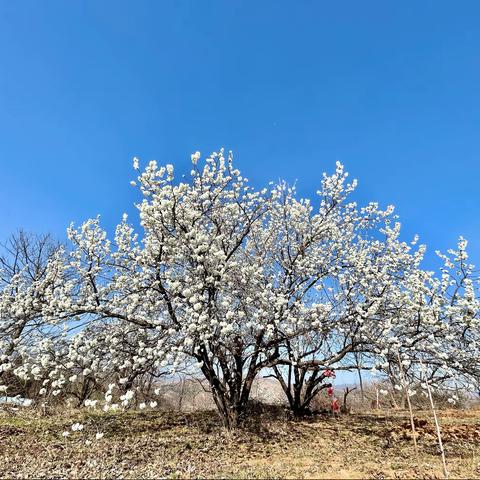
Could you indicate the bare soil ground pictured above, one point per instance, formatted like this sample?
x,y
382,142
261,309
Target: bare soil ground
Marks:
x,y
165,444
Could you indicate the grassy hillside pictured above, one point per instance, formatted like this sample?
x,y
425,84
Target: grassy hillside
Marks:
x,y
165,444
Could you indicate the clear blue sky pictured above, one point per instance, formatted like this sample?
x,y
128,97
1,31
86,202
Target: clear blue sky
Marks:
x,y
392,89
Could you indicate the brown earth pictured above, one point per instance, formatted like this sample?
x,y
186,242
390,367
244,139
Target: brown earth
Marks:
x,y
165,444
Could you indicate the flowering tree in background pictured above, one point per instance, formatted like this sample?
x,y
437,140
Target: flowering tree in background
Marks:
x,y
430,330
27,269
447,308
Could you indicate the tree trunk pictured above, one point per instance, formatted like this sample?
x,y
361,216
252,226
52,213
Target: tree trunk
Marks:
x,y
231,380
303,391
230,398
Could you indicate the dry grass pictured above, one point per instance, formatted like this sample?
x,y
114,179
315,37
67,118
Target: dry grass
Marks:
x,y
161,444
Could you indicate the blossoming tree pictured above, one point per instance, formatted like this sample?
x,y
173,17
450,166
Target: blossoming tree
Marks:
x,y
239,281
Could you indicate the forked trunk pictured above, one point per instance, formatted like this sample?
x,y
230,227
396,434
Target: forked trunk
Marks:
x,y
231,378
303,390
